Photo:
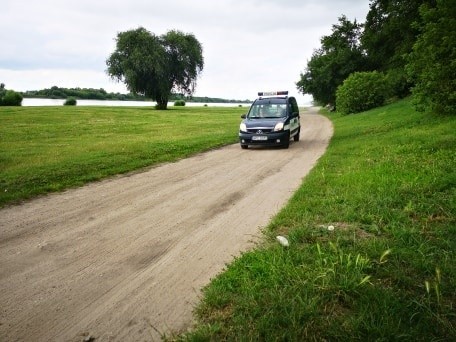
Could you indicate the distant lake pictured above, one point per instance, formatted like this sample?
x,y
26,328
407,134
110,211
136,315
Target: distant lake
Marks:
x,y
28,102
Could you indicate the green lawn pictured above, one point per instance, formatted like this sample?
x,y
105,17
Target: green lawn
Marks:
x,y
386,184
385,272
44,149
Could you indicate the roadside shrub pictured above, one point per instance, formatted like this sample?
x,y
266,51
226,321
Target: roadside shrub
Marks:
x,y
71,101
361,91
11,98
179,103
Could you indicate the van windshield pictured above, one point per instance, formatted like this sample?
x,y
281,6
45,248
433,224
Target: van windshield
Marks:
x,y
267,110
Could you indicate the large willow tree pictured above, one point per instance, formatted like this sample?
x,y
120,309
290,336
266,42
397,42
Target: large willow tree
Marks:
x,y
154,66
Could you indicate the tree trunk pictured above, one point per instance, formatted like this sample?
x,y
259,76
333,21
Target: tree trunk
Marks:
x,y
162,103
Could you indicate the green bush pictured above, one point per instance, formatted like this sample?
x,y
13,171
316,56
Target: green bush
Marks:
x,y
361,91
179,103
71,101
11,98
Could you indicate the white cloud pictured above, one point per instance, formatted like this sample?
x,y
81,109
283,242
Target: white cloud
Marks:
x,y
248,45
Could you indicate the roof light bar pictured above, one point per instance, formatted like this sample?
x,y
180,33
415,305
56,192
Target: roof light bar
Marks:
x,y
272,93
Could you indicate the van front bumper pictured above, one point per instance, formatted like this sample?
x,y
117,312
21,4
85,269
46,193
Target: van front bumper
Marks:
x,y
269,139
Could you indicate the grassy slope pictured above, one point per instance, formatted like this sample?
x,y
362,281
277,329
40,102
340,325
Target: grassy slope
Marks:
x,y
46,149
386,271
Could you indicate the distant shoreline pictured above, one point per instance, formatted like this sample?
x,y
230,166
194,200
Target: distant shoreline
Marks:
x,y
42,102
101,94
139,99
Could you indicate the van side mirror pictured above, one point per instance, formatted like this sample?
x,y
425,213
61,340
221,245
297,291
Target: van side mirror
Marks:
x,y
243,116
295,115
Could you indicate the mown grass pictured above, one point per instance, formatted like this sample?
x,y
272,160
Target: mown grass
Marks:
x,y
44,149
385,272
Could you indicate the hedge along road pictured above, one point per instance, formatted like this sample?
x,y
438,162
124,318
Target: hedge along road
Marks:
x,y
125,259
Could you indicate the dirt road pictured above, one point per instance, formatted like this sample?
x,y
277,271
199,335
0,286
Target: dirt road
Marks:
x,y
125,259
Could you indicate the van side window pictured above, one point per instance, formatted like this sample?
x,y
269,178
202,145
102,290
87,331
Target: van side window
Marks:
x,y
294,105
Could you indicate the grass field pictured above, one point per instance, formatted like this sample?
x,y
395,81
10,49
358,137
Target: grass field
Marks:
x,y
384,271
44,149
386,184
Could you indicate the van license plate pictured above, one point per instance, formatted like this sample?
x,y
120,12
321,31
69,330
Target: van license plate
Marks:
x,y
259,138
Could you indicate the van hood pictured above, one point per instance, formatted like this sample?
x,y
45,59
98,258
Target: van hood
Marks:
x,y
262,123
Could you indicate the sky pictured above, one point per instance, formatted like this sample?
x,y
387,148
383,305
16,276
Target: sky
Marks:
x,y
248,46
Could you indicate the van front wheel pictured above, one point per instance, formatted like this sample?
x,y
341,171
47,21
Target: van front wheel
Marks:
x,y
296,137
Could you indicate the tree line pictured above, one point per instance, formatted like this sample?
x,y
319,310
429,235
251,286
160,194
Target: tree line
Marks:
x,y
55,92
404,47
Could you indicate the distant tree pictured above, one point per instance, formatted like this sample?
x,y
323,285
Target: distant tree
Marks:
x,y
340,55
155,66
432,63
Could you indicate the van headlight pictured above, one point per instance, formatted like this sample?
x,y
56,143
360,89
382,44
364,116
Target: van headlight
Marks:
x,y
243,127
278,126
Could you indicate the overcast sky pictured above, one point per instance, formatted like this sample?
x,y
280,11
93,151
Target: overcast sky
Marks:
x,y
248,45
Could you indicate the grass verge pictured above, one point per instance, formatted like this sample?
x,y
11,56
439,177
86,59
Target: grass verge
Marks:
x,y
44,149
384,271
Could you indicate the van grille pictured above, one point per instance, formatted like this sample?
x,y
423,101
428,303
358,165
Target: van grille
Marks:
x,y
259,130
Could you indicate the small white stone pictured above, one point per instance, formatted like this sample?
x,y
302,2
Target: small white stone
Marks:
x,y
331,228
282,240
